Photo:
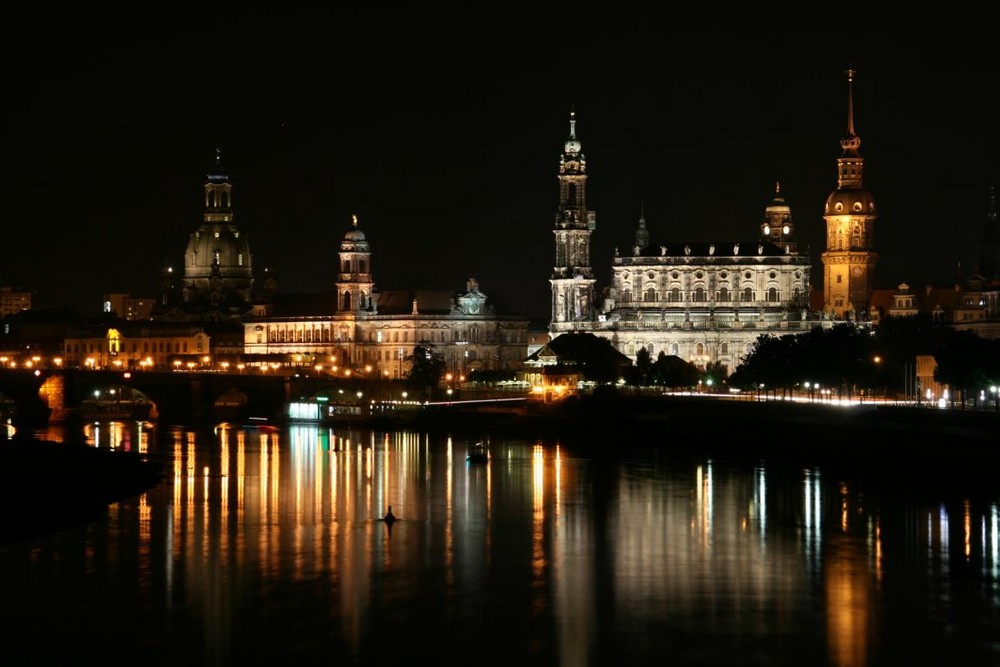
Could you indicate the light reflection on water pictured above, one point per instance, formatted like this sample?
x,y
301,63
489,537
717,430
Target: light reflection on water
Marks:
x,y
269,542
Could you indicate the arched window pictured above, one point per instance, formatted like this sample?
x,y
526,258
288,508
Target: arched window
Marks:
x,y
724,348
699,295
723,294
772,294
674,349
675,295
626,296
650,294
347,301
747,294
699,349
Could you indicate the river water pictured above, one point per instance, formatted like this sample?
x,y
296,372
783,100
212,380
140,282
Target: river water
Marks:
x,y
268,543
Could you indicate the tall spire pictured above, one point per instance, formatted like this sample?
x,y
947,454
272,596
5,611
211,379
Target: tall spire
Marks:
x,y
850,100
851,142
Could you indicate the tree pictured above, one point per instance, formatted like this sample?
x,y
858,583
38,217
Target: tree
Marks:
x,y
426,368
641,374
672,371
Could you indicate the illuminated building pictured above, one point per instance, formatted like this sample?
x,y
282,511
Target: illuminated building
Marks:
x,y
218,280
359,328
706,302
849,260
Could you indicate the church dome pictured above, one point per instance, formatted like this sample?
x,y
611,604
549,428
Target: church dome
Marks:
x,y
217,250
355,235
850,201
354,239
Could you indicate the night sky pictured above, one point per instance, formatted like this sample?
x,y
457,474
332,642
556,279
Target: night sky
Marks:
x,y
442,133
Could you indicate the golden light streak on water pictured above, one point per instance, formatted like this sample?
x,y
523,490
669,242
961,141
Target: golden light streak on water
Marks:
x,y
967,527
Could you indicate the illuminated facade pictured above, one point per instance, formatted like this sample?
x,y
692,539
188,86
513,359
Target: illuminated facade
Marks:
x,y
706,302
849,260
134,345
359,328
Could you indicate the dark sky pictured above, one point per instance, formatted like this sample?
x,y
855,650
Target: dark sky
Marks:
x,y
442,132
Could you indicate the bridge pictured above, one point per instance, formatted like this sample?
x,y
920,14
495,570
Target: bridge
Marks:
x,y
41,396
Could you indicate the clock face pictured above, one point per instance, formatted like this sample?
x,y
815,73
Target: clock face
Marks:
x,y
857,270
786,229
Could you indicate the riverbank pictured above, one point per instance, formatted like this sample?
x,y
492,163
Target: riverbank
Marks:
x,y
599,424
48,486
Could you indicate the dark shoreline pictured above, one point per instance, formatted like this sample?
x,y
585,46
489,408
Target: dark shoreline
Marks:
x,y
796,424
49,486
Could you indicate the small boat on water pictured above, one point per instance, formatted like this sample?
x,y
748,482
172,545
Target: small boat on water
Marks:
x,y
478,453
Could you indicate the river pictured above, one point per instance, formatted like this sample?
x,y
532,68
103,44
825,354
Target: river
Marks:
x,y
269,543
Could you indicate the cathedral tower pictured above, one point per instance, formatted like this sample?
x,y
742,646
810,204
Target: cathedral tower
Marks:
x,y
354,281
849,259
572,276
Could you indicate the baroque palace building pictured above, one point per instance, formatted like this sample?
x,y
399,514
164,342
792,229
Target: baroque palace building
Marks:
x,y
709,301
362,329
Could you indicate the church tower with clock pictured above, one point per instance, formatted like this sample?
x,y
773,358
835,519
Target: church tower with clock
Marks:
x,y
572,276
849,260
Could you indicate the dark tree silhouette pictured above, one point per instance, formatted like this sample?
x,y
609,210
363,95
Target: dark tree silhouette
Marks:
x,y
427,368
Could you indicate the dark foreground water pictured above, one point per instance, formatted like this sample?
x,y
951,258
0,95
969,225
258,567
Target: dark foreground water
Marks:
x,y
266,544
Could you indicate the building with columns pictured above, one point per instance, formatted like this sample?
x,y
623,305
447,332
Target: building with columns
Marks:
x,y
708,301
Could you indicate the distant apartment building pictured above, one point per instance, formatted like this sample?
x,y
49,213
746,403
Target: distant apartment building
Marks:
x,y
128,307
13,301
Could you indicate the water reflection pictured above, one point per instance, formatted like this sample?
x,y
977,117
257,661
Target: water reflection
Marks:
x,y
266,542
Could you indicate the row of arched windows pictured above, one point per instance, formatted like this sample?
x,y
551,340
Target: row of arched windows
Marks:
x,y
674,349
700,295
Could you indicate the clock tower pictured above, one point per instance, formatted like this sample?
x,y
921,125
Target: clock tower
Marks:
x,y
849,259
572,276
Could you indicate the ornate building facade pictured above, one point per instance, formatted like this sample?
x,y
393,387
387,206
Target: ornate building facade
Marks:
x,y
708,301
362,329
